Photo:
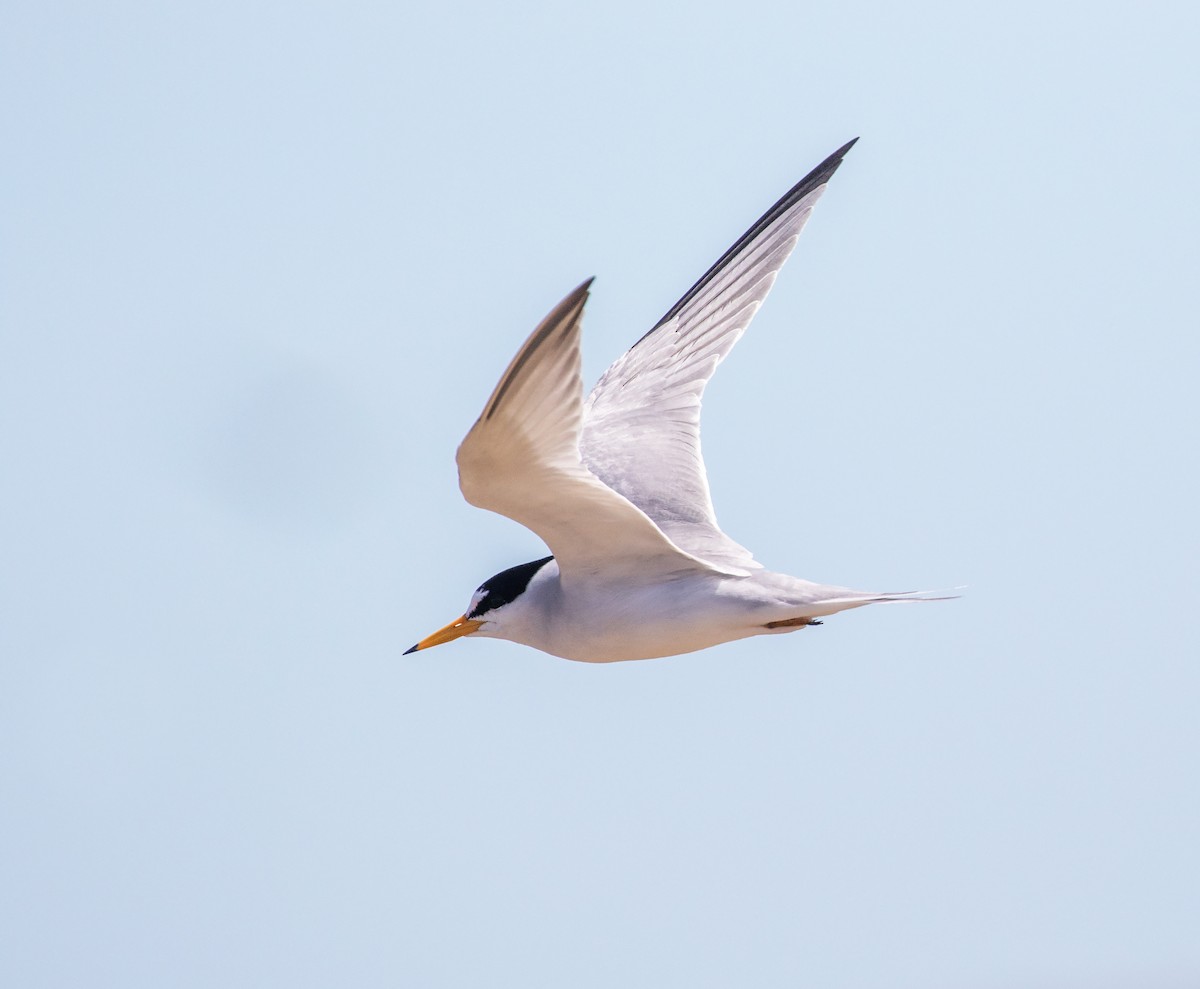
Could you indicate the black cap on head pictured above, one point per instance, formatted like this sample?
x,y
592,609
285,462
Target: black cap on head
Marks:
x,y
506,586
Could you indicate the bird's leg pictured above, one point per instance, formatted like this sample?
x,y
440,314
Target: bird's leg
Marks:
x,y
793,623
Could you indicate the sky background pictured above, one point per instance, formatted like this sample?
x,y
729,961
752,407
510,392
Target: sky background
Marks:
x,y
262,265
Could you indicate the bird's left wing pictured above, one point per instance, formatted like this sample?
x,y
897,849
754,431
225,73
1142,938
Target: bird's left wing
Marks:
x,y
641,433
521,459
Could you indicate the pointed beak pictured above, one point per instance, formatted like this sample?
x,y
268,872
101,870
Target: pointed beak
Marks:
x,y
456,629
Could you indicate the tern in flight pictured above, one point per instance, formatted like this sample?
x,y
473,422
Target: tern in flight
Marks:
x,y
615,484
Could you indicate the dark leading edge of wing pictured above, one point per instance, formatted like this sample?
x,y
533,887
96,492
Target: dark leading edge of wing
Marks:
x,y
817,177
562,317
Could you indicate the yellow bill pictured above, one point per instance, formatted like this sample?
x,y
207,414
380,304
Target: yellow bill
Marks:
x,y
455,630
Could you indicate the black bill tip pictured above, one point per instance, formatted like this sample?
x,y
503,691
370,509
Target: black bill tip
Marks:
x,y
409,652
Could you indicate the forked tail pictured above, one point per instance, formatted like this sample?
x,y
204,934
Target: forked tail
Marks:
x,y
843,600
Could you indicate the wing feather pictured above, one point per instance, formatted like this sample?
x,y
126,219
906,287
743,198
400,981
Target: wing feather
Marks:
x,y
521,459
641,428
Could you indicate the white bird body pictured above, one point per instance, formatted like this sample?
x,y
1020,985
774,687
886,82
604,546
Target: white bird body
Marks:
x,y
616,485
606,621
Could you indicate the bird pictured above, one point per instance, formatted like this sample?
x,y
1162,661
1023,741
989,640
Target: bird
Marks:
x,y
615,484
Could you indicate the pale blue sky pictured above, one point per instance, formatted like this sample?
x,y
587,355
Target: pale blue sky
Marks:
x,y
262,265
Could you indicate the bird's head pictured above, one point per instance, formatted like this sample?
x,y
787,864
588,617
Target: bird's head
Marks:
x,y
498,598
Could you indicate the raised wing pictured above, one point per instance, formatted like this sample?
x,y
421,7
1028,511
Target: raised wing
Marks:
x,y
641,431
521,459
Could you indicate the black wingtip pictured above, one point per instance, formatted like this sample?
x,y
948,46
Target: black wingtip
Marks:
x,y
821,174
409,652
818,177
579,295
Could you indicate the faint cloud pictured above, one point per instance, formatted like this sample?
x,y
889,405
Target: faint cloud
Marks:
x,y
292,447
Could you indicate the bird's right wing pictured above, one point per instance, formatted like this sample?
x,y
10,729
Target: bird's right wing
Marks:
x,y
641,433
521,459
